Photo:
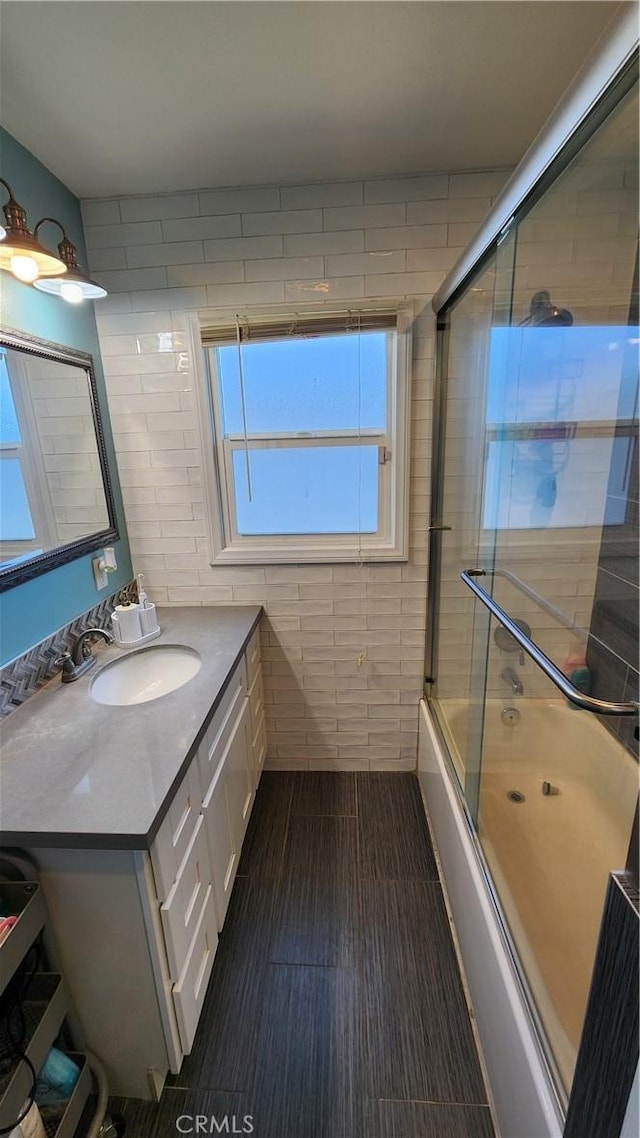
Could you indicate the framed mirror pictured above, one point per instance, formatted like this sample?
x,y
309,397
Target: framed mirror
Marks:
x,y
56,497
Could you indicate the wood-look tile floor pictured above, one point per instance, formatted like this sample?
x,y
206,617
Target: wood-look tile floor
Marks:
x,y
335,1008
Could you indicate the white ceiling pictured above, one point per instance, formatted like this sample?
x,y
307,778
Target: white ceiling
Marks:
x,y
130,97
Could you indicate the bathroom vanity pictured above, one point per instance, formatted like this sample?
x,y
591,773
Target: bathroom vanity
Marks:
x,y
135,818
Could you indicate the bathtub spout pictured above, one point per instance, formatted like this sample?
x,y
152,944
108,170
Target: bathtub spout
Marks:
x,y
510,677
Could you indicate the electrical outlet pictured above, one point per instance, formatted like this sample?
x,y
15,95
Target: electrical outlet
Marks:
x,y
99,573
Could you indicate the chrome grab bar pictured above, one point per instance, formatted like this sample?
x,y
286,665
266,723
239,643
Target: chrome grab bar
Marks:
x,y
572,693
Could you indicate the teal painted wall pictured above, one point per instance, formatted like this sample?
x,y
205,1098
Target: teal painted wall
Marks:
x,y
32,611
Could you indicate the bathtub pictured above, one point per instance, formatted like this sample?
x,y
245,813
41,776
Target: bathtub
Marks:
x,y
550,855
549,858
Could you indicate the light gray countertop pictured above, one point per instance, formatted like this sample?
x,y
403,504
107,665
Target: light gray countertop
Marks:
x,y
81,774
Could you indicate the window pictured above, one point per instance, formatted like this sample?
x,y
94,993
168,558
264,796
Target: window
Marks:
x,y
307,445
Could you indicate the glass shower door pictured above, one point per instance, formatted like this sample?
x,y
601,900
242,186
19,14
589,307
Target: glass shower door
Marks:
x,y
558,785
538,480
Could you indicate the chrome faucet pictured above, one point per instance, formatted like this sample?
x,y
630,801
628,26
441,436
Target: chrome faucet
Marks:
x,y
510,676
78,661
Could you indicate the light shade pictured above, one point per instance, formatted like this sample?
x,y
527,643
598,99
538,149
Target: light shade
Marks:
x,y
20,251
74,286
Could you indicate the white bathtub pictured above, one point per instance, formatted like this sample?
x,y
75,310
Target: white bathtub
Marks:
x,y
549,857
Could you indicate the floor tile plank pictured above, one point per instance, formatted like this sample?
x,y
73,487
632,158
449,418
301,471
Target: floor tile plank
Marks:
x,y
420,1045
394,841
323,792
321,849
317,923
308,1074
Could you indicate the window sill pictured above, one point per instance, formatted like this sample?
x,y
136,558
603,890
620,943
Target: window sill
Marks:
x,y
264,554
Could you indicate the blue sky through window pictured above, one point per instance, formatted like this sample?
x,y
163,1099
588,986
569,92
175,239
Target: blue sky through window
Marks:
x,y
9,429
307,490
305,385
15,515
298,386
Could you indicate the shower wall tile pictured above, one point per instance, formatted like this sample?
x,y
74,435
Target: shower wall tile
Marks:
x,y
260,245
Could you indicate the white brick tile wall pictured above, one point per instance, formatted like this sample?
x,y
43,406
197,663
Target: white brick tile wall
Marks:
x,y
285,221
407,189
342,645
201,228
364,216
312,244
322,194
285,269
338,288
244,200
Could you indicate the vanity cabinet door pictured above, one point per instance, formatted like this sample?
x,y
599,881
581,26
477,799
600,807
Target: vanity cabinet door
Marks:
x,y
256,708
223,856
241,779
226,807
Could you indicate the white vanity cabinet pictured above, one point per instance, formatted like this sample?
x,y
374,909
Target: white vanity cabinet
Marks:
x,y
137,930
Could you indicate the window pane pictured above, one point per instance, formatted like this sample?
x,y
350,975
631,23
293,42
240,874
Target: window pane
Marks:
x,y
15,515
9,429
307,490
306,385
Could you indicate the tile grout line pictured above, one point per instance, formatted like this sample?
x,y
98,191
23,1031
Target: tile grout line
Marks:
x,y
435,1102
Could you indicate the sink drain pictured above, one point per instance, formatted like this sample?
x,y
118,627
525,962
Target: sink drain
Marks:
x,y
515,796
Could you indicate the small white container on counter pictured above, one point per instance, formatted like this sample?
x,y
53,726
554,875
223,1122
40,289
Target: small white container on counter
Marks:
x,y
126,622
148,618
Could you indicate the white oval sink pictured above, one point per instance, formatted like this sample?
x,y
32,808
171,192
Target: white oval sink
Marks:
x,y
145,675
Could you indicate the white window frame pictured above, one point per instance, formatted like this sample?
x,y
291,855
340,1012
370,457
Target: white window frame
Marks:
x,y
390,543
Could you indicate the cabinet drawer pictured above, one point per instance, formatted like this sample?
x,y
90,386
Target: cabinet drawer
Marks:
x,y
183,906
252,656
175,833
189,992
219,730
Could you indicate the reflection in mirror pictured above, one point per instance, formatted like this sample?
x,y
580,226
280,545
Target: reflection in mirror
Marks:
x,y
52,489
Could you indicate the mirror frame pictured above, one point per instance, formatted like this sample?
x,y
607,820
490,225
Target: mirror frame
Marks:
x,y
62,554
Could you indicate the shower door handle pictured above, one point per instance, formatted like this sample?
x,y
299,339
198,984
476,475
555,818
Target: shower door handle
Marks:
x,y
572,693
438,528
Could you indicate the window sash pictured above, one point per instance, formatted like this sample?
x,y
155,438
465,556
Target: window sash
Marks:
x,y
287,442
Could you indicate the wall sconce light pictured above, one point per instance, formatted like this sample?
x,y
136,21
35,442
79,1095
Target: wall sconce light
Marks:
x,y
20,251
22,254
74,286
